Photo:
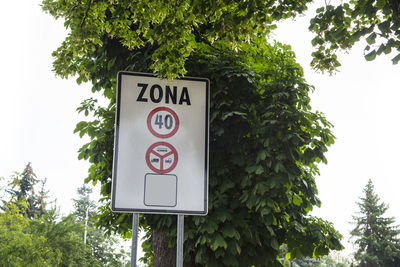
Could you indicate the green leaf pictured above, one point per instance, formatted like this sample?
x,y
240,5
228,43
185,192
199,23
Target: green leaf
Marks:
x,y
111,63
388,47
357,35
238,249
396,59
259,170
230,231
297,200
279,167
380,49
380,4
219,242
370,56
211,227
80,126
274,244
384,27
261,155
320,251
371,38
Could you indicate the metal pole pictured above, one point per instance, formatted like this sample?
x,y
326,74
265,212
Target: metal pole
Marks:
x,y
86,223
135,226
179,242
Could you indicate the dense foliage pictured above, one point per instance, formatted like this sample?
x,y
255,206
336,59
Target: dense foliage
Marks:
x,y
340,24
18,247
178,28
174,28
377,239
50,239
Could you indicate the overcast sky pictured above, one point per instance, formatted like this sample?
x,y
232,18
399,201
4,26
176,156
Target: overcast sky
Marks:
x,y
38,114
37,109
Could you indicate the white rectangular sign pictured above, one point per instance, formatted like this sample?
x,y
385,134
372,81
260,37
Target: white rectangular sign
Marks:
x,y
161,145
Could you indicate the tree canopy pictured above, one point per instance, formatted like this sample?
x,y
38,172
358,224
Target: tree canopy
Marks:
x,y
343,23
22,188
18,247
174,28
265,141
377,239
50,239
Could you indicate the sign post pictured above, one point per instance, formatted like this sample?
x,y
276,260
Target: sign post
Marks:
x,y
135,228
161,147
179,241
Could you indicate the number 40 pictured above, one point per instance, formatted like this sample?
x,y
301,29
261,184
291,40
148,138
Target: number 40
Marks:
x,y
168,121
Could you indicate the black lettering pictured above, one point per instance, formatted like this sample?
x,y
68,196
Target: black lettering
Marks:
x,y
160,93
157,94
140,97
159,121
168,121
169,94
184,97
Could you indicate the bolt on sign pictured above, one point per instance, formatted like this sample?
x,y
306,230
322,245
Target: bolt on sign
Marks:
x,y
161,145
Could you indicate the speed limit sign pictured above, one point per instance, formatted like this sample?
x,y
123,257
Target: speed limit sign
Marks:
x,y
163,122
161,145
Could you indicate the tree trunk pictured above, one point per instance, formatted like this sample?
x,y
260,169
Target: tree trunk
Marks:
x,y
163,255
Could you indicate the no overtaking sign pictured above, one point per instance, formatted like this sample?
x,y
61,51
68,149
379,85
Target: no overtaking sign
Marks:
x,y
161,145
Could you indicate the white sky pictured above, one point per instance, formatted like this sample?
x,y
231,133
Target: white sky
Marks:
x,y
37,109
38,114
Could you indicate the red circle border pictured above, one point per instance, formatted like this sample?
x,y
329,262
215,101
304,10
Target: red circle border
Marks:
x,y
148,152
163,135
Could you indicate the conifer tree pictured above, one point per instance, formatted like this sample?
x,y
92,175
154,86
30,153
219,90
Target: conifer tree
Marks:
x,y
41,197
23,187
103,247
375,235
84,207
